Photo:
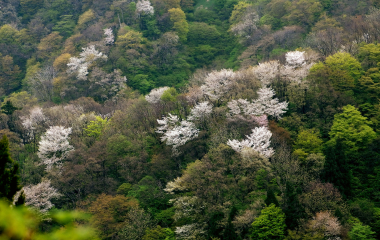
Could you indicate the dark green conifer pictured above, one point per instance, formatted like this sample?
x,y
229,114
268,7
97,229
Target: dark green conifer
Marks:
x,y
271,198
8,108
336,169
229,232
9,178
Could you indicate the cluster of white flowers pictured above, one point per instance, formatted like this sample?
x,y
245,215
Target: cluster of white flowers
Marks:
x,y
201,111
266,72
217,83
54,146
33,120
295,59
109,39
155,95
144,6
259,140
175,185
189,231
80,65
295,70
176,133
39,196
265,104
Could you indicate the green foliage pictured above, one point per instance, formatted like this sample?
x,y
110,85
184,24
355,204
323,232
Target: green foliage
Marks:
x,y
345,62
124,188
169,95
95,128
359,232
65,26
308,141
23,223
352,129
159,233
270,224
180,25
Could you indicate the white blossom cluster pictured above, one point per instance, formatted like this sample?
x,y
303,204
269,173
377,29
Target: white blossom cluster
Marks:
x,y
176,185
264,104
109,39
296,68
80,65
295,59
189,231
54,146
144,6
39,196
217,83
155,95
200,111
247,24
266,72
259,140
32,121
176,133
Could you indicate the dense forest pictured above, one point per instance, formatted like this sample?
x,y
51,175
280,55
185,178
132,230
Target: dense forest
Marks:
x,y
190,119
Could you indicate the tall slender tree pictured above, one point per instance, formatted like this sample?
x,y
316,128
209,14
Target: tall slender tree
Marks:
x,y
9,178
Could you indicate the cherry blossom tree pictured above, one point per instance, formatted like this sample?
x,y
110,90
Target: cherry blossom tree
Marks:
x,y
86,58
144,6
34,120
259,140
267,72
218,83
201,111
39,196
297,66
155,95
265,104
295,58
176,133
327,223
109,39
244,20
54,146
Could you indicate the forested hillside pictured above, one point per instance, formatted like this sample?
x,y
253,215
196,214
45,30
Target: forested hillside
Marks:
x,y
190,119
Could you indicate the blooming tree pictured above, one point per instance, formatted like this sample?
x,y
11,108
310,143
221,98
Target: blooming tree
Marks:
x,y
35,118
80,65
200,111
155,95
144,6
39,196
109,39
176,133
264,104
54,146
217,83
244,20
259,140
267,72
295,59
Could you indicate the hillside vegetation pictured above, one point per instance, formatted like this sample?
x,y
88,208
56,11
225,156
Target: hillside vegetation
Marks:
x,y
190,119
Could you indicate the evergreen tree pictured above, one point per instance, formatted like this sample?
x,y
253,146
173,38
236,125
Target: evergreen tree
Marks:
x,y
8,108
229,232
293,210
336,170
9,178
271,197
